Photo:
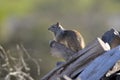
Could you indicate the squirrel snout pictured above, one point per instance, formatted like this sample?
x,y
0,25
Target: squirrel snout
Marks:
x,y
48,28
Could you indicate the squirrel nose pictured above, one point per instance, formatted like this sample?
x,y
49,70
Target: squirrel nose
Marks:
x,y
48,28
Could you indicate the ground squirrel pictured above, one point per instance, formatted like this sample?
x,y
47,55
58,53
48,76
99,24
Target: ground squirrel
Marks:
x,y
70,38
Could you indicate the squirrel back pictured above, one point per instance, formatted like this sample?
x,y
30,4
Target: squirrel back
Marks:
x,y
70,38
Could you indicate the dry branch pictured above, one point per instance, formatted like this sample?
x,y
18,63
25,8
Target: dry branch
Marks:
x,y
17,67
101,65
75,64
61,50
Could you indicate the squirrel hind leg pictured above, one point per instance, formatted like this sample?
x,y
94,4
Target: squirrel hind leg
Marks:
x,y
73,47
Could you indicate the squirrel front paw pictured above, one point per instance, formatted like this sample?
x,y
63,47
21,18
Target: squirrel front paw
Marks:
x,y
51,42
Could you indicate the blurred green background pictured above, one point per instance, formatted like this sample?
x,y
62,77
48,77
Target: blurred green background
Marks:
x,y
26,22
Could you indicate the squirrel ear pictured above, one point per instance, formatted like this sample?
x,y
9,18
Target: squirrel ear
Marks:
x,y
58,24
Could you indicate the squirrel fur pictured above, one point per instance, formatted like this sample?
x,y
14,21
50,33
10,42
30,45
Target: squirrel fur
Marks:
x,y
70,38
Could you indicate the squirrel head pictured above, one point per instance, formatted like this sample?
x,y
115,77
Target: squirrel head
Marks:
x,y
56,27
